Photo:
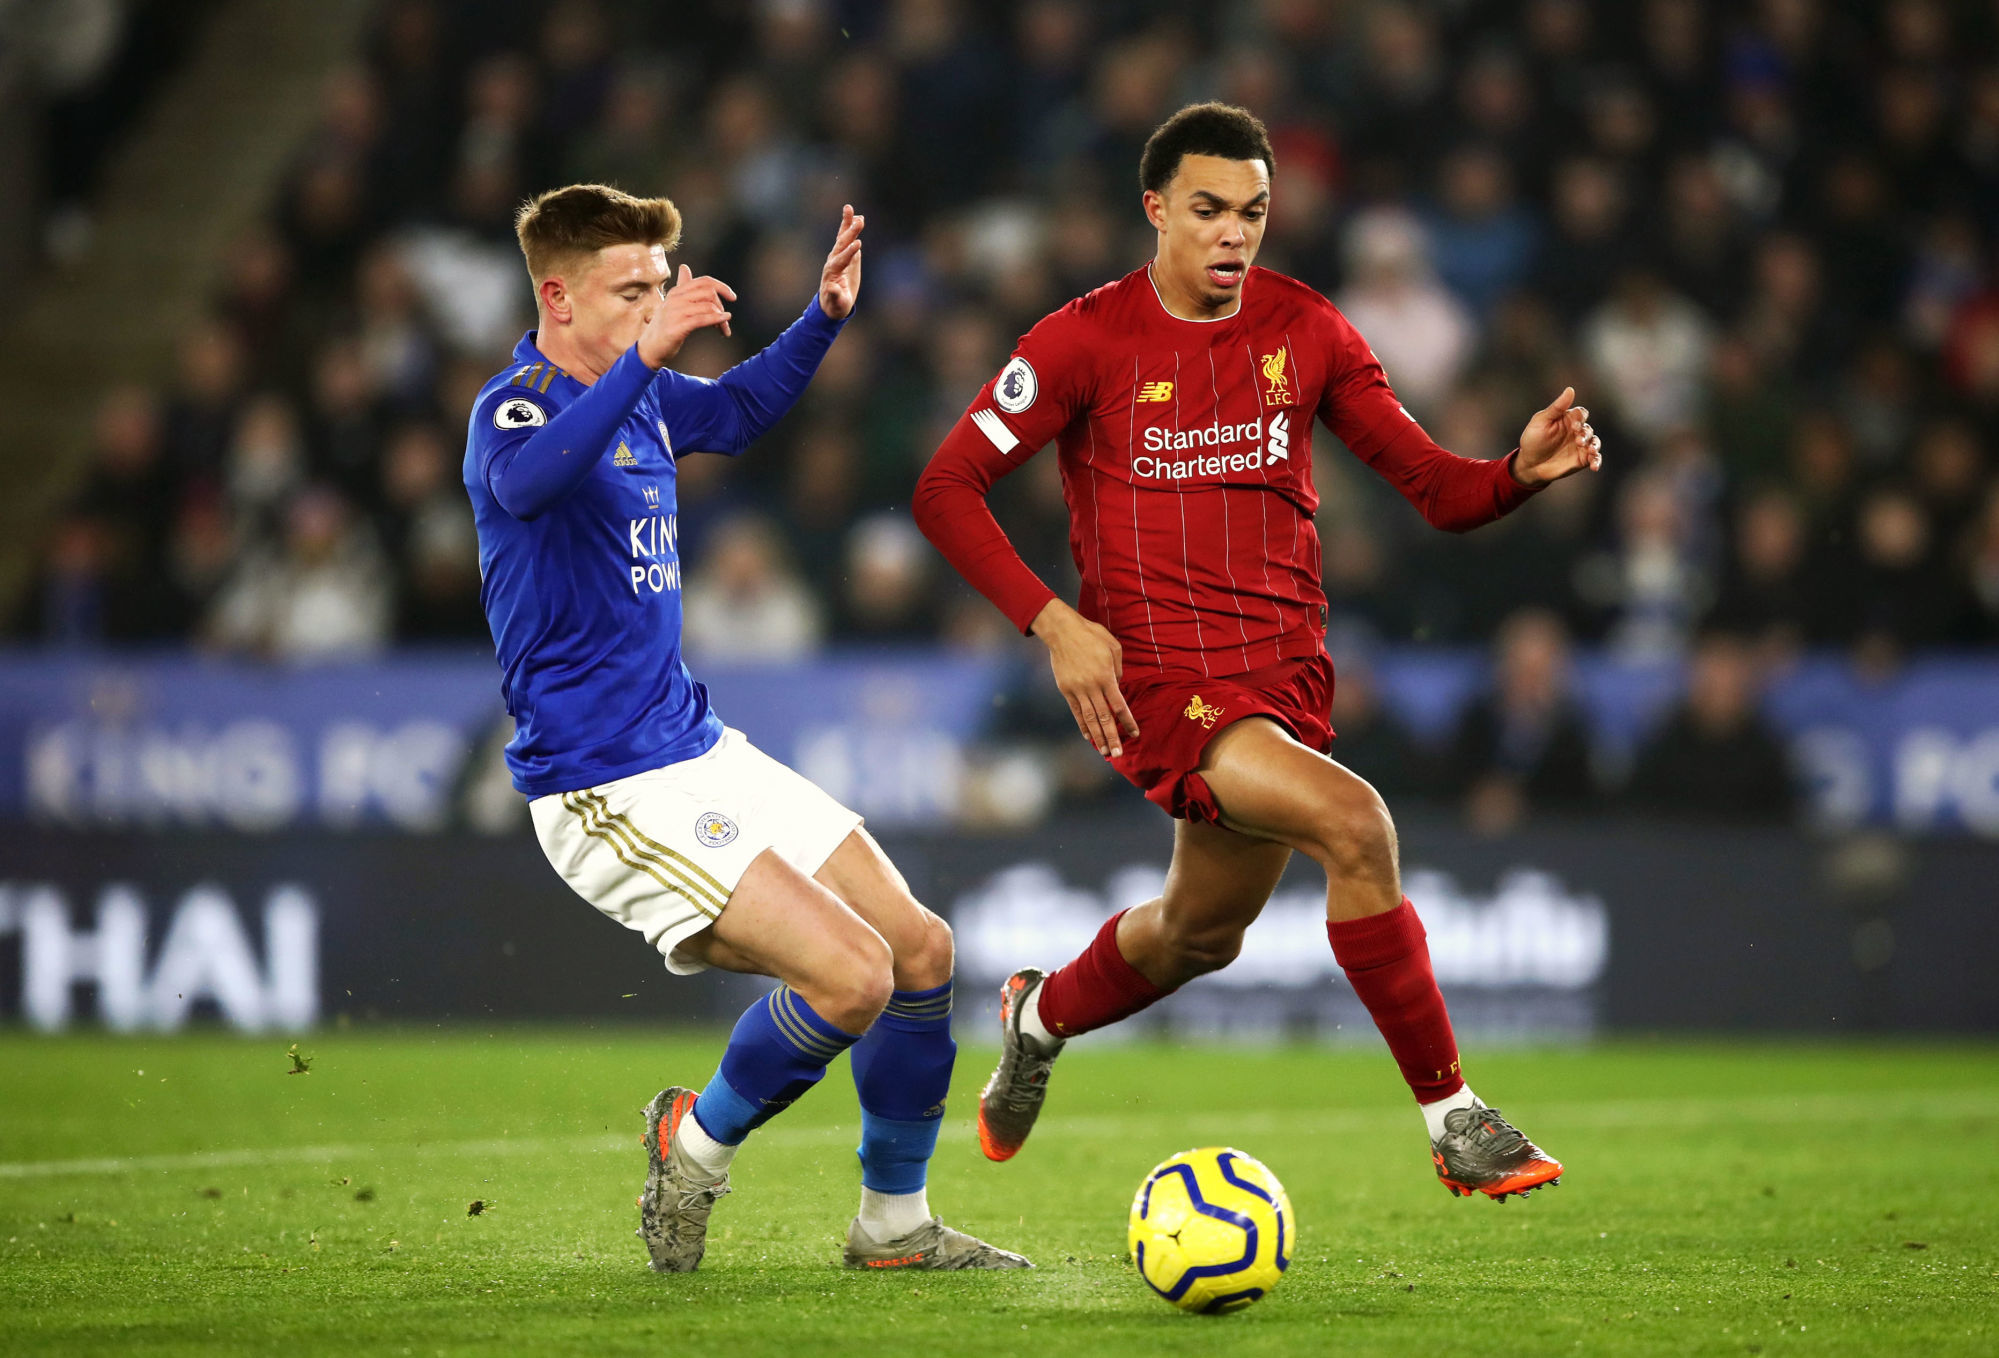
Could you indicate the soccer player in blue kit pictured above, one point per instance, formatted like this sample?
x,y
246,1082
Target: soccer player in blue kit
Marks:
x,y
648,806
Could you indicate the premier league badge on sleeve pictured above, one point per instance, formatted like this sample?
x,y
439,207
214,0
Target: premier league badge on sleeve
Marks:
x,y
517,412
1016,387
714,829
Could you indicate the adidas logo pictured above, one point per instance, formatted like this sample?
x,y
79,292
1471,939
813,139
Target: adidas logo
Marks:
x,y
623,457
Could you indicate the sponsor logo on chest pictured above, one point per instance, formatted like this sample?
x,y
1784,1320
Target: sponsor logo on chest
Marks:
x,y
655,549
1259,393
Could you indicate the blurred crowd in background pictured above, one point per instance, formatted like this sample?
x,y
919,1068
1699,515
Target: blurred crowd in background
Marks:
x,y
1757,237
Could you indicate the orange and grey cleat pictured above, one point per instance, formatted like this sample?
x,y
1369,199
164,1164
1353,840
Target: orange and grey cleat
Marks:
x,y
1012,1098
1481,1152
933,1245
673,1210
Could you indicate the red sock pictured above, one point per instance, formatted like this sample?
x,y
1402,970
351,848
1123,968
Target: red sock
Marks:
x,y
1095,990
1388,961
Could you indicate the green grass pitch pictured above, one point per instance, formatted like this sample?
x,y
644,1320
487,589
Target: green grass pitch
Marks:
x,y
190,1196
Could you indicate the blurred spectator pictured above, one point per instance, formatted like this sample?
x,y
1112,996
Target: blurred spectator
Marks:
x,y
1767,594
1714,757
1589,244
1483,238
200,556
1949,466
1522,746
129,489
1703,242
1653,581
629,149
1373,742
323,594
344,420
888,595
103,578
66,604
1648,347
1751,410
744,603
1420,332
1785,320
202,412
821,489
1901,591
391,334
432,543
267,465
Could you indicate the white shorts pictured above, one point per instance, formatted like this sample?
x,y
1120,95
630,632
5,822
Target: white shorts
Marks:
x,y
661,852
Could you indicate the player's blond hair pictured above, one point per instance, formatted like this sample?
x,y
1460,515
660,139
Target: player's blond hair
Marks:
x,y
563,226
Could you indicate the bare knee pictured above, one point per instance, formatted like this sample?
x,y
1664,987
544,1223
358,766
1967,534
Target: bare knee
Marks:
x,y
1200,951
1353,837
856,986
926,960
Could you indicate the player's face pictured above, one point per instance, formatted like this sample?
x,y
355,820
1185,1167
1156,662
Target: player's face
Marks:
x,y
613,297
1210,221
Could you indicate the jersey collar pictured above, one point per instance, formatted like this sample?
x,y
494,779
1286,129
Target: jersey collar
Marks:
x,y
1153,283
527,352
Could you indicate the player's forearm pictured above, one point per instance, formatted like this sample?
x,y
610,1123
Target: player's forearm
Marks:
x,y
763,387
533,476
1455,494
951,510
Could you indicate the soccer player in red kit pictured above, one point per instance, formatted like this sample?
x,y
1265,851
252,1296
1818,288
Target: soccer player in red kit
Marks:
x,y
1182,399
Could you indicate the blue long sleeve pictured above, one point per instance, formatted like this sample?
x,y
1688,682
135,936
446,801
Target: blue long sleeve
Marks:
x,y
529,475
727,414
535,471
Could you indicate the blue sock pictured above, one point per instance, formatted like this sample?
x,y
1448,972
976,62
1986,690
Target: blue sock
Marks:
x,y
902,1071
780,1049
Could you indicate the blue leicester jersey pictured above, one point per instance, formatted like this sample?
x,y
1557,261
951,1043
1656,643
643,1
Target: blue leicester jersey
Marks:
x,y
572,488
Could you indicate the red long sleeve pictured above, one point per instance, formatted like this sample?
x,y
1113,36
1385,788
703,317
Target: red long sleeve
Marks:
x,y
1456,494
950,507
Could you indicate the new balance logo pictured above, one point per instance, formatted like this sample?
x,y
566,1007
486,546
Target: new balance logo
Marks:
x,y
1155,391
623,457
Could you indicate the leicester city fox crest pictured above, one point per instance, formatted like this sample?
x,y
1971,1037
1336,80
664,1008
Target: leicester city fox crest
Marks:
x,y
714,829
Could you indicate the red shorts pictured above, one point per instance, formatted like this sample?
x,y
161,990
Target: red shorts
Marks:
x,y
1179,712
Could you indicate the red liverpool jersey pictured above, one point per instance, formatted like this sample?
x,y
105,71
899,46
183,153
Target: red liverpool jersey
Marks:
x,y
1186,455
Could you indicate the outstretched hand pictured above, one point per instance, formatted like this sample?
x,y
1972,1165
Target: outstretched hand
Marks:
x,y
840,282
690,304
1557,442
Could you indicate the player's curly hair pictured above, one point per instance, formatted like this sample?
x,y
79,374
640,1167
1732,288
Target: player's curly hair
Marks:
x,y
1211,129
557,227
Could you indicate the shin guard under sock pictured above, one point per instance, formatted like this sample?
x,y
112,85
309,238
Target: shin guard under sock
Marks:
x,y
1387,958
1097,989
902,1072
779,1049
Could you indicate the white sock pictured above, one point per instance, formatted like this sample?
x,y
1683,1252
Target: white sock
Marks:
x,y
710,1156
1030,1019
1433,1113
885,1216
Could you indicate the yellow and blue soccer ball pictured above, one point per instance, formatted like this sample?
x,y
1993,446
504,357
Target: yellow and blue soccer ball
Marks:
x,y
1211,1230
